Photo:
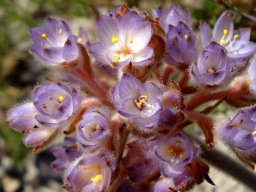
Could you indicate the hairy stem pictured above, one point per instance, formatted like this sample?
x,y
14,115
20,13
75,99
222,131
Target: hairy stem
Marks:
x,y
167,71
93,86
205,123
124,133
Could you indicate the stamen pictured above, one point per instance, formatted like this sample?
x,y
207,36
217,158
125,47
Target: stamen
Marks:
x,y
97,127
236,36
90,167
131,40
44,106
61,98
114,39
254,133
141,101
97,179
112,65
60,31
222,41
210,70
79,40
225,32
116,58
186,37
44,36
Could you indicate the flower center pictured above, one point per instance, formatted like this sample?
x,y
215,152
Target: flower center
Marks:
x,y
176,150
123,49
211,70
141,102
97,179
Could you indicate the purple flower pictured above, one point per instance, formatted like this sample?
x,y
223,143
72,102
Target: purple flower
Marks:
x,y
236,42
54,44
55,103
138,101
181,45
140,162
172,16
93,129
22,119
212,67
39,120
239,133
123,39
175,152
89,173
65,154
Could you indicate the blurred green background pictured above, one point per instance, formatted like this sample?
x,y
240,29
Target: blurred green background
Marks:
x,y
19,71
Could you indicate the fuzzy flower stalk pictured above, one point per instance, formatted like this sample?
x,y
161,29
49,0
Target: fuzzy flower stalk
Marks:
x,y
117,111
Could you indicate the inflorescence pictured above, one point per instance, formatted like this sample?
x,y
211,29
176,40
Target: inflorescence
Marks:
x,y
144,79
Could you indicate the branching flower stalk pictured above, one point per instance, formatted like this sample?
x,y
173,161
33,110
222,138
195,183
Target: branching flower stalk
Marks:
x,y
144,79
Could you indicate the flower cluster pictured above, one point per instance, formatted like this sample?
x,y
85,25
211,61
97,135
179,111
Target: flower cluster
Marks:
x,y
129,135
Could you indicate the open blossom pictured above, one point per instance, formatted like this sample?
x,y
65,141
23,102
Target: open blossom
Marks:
x,y
54,44
212,67
89,173
55,103
239,133
93,129
171,16
236,42
123,40
181,48
174,153
138,101
39,120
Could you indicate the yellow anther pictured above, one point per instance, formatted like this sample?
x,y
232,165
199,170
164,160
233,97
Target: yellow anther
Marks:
x,y
210,70
131,40
181,155
236,36
60,31
254,132
225,32
61,98
112,65
186,37
96,168
116,58
97,179
141,101
97,127
79,40
44,36
170,150
222,41
114,39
